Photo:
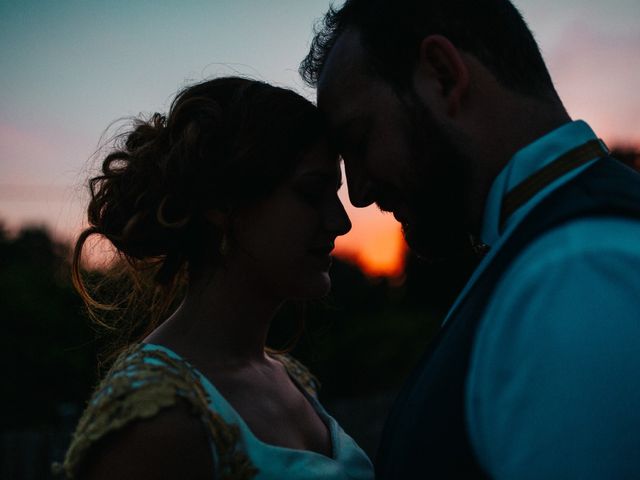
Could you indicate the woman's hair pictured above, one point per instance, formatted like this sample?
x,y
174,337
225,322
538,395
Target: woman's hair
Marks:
x,y
225,143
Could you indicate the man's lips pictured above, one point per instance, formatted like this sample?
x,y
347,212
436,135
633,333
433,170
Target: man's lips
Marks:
x,y
400,218
397,211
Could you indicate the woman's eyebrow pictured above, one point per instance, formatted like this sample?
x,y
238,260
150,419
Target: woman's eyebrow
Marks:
x,y
318,173
324,175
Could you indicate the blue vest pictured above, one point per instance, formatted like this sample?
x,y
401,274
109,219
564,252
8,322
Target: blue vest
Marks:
x,y
425,435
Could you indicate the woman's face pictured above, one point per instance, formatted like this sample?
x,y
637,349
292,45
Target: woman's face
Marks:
x,y
286,239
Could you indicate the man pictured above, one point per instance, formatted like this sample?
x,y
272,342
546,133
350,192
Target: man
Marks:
x,y
445,115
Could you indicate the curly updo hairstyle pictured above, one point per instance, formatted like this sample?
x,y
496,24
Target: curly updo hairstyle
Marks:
x,y
225,143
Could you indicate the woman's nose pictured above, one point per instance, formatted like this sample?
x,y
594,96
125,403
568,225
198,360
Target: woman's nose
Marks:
x,y
338,221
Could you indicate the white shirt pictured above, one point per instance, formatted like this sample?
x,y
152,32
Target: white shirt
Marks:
x,y
554,383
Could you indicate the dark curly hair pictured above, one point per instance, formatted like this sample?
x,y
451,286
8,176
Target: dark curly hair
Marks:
x,y
225,143
491,30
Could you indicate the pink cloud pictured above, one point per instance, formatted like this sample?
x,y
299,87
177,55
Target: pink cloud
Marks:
x,y
598,76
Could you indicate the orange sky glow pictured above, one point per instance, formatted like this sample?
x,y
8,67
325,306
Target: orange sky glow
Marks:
x,y
375,242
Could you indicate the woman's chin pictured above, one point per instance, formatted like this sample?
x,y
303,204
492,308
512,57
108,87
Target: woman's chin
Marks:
x,y
313,288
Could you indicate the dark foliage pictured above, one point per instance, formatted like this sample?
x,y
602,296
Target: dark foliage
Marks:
x,y
628,155
46,348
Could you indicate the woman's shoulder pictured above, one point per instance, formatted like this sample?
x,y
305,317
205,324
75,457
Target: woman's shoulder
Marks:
x,y
171,444
299,372
143,390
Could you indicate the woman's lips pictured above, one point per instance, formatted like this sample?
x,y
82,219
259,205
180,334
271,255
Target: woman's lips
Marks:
x,y
322,251
322,255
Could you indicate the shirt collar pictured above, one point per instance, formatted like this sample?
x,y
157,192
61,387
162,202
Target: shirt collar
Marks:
x,y
525,163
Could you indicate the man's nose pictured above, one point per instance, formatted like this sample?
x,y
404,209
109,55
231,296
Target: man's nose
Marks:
x,y
361,191
340,222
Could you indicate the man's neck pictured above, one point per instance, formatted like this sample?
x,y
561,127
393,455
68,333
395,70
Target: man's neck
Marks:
x,y
516,125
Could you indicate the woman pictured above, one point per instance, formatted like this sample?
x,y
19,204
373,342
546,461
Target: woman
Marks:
x,y
236,192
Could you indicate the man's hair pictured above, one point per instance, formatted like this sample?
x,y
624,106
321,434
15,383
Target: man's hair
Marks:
x,y
391,30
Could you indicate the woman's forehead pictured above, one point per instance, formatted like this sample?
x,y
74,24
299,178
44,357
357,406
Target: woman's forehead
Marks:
x,y
320,160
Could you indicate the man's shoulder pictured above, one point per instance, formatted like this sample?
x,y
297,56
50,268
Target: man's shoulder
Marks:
x,y
570,279
558,341
577,241
585,268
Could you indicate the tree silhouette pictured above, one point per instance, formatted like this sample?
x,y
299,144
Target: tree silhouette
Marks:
x,y
46,347
628,155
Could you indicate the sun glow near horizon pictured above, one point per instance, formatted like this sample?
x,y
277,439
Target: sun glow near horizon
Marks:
x,y
375,242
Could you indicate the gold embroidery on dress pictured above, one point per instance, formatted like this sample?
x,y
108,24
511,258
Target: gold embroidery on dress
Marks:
x,y
135,388
300,373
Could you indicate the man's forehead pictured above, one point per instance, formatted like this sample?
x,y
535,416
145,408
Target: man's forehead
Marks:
x,y
343,77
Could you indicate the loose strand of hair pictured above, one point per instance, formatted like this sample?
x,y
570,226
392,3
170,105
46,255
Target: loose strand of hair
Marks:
x,y
78,283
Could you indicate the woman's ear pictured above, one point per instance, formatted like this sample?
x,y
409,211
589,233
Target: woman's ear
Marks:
x,y
441,78
217,217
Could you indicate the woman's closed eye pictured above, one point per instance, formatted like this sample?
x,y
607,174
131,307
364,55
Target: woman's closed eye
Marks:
x,y
314,188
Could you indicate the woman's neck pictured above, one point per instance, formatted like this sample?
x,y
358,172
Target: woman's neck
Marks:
x,y
223,320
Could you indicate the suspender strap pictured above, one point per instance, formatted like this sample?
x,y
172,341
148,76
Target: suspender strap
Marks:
x,y
525,190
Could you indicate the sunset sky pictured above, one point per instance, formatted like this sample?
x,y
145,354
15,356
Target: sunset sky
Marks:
x,y
72,67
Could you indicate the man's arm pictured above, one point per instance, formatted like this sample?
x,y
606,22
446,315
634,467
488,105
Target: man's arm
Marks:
x,y
554,383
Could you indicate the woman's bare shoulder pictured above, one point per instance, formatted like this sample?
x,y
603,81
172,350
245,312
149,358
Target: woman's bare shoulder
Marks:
x,y
151,415
172,444
147,405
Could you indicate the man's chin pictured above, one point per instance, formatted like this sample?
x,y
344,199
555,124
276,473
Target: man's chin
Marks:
x,y
431,245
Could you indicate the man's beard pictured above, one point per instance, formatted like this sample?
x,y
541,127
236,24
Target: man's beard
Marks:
x,y
437,192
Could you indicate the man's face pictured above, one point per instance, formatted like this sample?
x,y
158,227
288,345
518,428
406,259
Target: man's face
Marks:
x,y
395,152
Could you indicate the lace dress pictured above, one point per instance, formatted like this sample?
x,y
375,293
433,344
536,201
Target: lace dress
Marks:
x,y
147,378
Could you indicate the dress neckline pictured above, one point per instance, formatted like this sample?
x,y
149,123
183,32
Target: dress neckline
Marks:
x,y
328,421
